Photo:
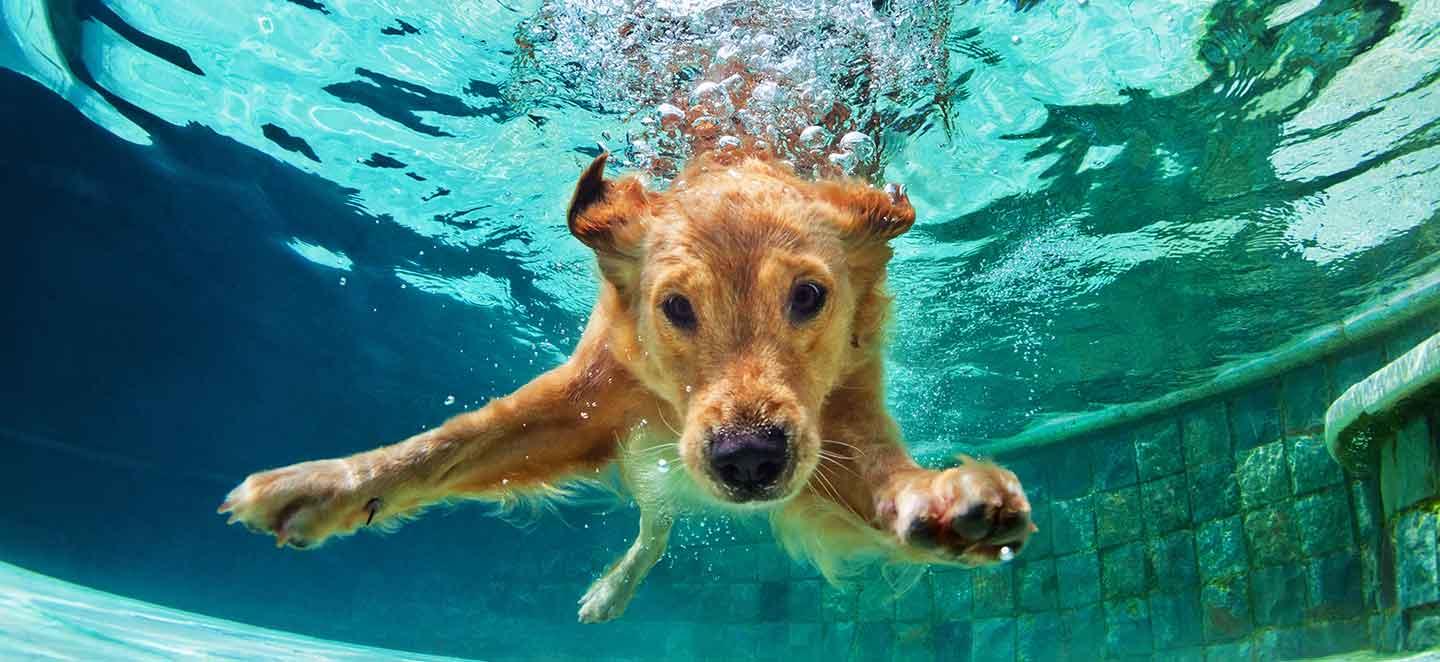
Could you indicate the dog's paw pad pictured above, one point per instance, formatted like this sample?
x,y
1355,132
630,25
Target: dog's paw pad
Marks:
x,y
605,600
976,512
301,505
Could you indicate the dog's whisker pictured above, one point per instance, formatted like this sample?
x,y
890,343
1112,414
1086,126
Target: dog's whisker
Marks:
x,y
836,456
661,416
837,463
857,449
833,493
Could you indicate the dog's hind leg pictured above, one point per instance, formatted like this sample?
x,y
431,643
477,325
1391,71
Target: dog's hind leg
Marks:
x,y
610,594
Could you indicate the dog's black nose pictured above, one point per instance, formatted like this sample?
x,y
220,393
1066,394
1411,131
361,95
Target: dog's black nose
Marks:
x,y
749,459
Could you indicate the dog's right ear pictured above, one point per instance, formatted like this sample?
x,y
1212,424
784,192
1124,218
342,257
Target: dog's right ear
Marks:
x,y
608,215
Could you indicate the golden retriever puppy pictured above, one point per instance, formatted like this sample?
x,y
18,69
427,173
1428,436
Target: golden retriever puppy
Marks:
x,y
733,360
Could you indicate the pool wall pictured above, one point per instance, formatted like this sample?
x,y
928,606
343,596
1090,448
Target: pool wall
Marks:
x,y
1220,529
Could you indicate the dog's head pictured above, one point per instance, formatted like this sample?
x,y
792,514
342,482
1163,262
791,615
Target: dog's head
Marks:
x,y
742,296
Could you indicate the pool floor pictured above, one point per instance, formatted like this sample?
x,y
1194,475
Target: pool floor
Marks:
x,y
44,618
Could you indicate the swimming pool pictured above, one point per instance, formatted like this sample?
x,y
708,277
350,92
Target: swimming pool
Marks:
x,y
1154,242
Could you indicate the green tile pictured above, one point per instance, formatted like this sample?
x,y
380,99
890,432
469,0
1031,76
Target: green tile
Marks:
x,y
1124,571
1311,465
1334,637
1220,546
1175,619
1167,504
1324,521
1354,367
1078,576
1071,472
1255,416
1232,652
1158,451
836,642
1205,434
802,601
876,603
917,603
1278,594
1040,543
1417,577
1424,633
1279,644
1365,500
1272,534
837,604
1118,517
1213,491
1038,585
1127,628
1084,632
1073,523
914,642
1039,638
993,640
1263,475
1334,586
994,590
952,642
953,590
1114,462
1225,606
1409,467
1305,398
873,641
1172,558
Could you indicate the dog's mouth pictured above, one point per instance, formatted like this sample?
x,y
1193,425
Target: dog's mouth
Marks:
x,y
757,495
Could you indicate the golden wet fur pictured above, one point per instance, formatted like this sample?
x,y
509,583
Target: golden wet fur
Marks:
x,y
733,235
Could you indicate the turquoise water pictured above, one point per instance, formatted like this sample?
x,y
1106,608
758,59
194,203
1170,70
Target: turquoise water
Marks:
x,y
50,619
248,233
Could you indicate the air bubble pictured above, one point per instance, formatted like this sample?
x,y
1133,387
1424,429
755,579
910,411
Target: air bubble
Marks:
x,y
449,400
712,97
859,143
814,138
662,465
767,94
1006,554
669,114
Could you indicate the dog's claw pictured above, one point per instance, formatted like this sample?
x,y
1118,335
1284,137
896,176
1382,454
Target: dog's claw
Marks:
x,y
371,507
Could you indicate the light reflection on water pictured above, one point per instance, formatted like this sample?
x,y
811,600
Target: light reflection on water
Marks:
x,y
1115,199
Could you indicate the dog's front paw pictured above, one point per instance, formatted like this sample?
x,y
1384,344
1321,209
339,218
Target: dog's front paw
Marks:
x,y
975,513
606,599
302,505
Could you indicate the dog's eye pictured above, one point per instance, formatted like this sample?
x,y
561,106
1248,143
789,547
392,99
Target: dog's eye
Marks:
x,y
677,309
806,300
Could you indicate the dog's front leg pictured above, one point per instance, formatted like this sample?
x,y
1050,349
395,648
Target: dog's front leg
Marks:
x,y
973,514
608,596
563,424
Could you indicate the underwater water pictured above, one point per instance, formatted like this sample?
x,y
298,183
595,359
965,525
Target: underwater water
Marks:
x,y
247,233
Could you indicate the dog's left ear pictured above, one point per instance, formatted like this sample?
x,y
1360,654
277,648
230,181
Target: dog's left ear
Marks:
x,y
606,215
871,215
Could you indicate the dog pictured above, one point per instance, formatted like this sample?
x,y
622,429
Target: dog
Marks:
x,y
733,360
